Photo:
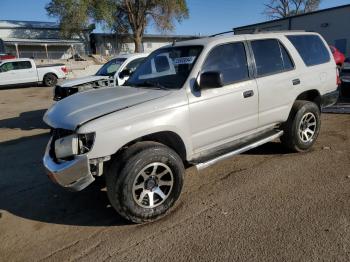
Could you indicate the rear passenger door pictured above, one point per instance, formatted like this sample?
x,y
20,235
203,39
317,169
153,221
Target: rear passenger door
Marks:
x,y
220,115
276,76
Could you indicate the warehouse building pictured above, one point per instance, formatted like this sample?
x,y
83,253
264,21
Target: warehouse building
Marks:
x,y
112,44
332,24
39,40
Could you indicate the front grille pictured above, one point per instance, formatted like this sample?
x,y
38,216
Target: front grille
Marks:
x,y
57,133
62,92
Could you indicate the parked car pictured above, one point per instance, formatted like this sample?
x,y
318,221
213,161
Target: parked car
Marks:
x,y
110,74
190,103
339,57
6,56
25,71
345,78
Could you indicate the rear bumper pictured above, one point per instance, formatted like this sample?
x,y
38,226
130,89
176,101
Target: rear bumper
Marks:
x,y
73,175
329,99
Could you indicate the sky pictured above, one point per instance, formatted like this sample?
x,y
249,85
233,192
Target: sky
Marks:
x,y
206,16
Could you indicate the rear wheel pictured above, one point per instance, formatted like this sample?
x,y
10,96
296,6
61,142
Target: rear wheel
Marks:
x,y
302,127
50,80
145,181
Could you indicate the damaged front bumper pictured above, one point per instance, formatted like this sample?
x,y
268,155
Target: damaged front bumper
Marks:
x,y
74,175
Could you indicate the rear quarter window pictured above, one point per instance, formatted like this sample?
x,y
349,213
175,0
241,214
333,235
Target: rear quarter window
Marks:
x,y
311,49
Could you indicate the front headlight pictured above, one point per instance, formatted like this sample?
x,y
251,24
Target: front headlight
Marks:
x,y
66,146
75,144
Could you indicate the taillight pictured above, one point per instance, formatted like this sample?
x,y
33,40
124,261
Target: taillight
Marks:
x,y
338,77
64,69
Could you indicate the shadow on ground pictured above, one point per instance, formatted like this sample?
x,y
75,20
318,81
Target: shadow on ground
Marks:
x,y
26,191
19,86
25,121
271,148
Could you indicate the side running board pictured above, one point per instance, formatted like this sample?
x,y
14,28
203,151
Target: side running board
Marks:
x,y
237,151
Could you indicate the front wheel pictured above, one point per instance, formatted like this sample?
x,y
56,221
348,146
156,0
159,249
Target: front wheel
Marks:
x,y
302,127
145,182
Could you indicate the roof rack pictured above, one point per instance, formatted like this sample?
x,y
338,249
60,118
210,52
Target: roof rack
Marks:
x,y
257,31
223,33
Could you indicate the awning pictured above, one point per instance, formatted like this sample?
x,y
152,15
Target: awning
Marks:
x,y
41,42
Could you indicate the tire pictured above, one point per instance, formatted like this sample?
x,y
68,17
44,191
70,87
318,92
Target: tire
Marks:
x,y
302,127
50,80
131,183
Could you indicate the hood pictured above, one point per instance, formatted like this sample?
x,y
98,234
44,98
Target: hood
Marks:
x,y
82,80
80,108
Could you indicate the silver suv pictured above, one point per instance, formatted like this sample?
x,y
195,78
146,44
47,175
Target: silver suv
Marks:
x,y
193,102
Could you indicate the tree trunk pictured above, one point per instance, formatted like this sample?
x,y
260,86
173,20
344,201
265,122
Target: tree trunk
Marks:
x,y
138,43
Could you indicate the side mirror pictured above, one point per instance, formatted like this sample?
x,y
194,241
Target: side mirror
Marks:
x,y
212,79
124,73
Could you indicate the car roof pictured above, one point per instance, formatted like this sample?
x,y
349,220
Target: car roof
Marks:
x,y
131,55
231,37
15,60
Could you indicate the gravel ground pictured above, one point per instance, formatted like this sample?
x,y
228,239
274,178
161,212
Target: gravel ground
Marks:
x,y
265,205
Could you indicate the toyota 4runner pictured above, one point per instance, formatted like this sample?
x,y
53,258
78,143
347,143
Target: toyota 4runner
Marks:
x,y
193,102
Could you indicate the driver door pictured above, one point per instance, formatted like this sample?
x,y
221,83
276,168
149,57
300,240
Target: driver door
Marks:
x,y
7,74
221,115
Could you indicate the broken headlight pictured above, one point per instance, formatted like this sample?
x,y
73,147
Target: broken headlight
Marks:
x,y
75,144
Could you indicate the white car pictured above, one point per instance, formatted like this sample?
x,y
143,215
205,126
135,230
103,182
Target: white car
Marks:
x,y
25,71
113,73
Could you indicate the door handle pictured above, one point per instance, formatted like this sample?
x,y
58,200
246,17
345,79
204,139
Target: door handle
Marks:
x,y
296,81
248,93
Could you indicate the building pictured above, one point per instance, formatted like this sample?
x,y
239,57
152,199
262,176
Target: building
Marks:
x,y
331,23
111,44
39,40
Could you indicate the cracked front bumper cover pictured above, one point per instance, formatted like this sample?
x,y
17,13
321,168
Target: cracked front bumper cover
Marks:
x,y
73,175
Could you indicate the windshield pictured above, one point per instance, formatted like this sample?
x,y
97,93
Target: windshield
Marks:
x,y
111,67
166,68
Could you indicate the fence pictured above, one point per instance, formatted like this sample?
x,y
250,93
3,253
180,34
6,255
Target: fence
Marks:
x,y
51,55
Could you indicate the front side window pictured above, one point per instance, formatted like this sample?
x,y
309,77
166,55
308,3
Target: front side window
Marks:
x,y
22,65
311,49
166,68
230,60
6,67
111,67
271,57
134,64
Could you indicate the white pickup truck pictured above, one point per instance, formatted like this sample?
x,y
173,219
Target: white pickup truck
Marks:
x,y
25,71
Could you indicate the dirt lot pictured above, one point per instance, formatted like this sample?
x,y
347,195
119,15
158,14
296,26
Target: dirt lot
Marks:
x,y
265,205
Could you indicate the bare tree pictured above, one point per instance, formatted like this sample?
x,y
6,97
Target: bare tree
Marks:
x,y
275,9
135,15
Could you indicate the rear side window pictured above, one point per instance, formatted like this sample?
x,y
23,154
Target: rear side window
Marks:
x,y
270,57
22,65
311,49
230,60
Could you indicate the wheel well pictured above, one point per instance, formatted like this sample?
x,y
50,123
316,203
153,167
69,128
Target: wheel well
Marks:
x,y
167,138
312,96
50,74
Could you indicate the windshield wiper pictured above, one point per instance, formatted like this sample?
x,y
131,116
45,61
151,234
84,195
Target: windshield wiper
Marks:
x,y
152,84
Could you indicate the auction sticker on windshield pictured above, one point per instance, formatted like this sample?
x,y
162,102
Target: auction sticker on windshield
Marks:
x,y
184,60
